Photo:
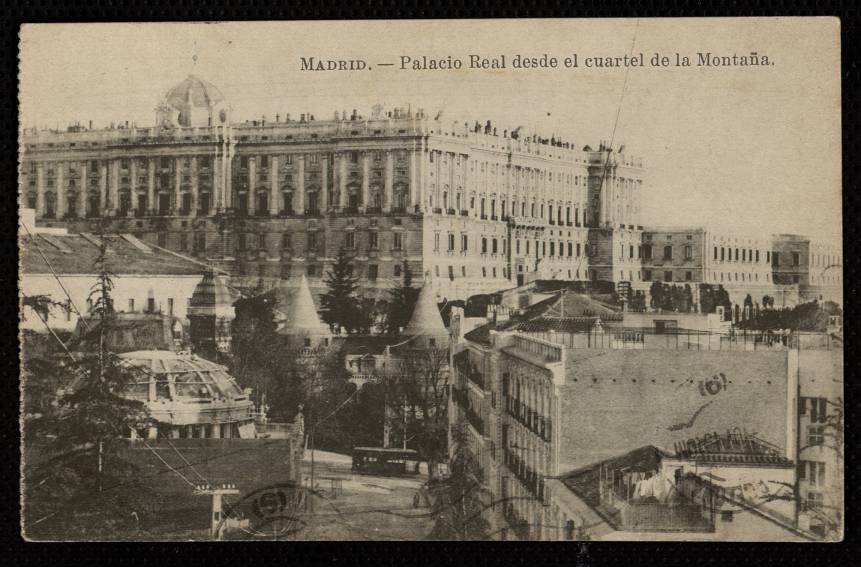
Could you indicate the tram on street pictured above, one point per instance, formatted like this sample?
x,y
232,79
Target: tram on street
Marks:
x,y
385,461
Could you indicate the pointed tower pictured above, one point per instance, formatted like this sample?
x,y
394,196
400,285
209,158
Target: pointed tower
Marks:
x,y
302,327
426,322
210,315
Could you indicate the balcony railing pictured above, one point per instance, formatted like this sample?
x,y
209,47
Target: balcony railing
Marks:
x,y
529,418
470,372
533,481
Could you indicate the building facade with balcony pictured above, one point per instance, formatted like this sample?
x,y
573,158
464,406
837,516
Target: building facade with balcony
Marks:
x,y
543,401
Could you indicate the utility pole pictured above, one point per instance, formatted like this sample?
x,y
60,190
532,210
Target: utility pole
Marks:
x,y
217,519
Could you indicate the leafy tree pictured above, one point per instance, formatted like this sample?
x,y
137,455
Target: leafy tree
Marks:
x,y
416,400
340,305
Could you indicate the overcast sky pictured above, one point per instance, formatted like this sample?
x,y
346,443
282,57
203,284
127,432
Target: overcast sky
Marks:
x,y
751,149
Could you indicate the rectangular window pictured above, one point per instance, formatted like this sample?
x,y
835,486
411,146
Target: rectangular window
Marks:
x,y
815,473
374,241
716,253
647,275
815,435
350,240
311,270
464,243
647,252
689,252
131,305
170,306
796,259
668,252
312,241
372,272
396,271
451,242
689,276
668,276
397,242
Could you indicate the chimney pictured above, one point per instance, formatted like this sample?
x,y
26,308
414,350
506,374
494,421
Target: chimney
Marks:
x,y
302,117
91,124
277,118
287,117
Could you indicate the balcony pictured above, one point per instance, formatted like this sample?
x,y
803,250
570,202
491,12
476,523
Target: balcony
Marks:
x,y
529,418
374,210
312,212
437,210
470,372
533,481
464,213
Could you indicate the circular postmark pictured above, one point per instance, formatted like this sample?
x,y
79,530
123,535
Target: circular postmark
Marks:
x,y
270,512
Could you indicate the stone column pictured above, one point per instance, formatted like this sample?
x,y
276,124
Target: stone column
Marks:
x,y
342,180
323,198
227,175
177,182
252,185
217,196
133,174
412,196
40,188
195,187
103,188
150,186
273,185
83,193
366,173
300,184
61,191
387,199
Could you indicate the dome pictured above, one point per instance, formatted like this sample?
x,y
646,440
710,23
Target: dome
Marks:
x,y
194,92
198,101
183,388
211,297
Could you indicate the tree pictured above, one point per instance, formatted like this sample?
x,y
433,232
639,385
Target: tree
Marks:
x,y
402,300
76,418
455,501
416,402
340,305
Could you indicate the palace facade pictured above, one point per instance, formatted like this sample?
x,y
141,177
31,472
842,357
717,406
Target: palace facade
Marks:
x,y
467,208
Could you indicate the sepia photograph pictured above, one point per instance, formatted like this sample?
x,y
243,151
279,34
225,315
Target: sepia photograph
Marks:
x,y
508,280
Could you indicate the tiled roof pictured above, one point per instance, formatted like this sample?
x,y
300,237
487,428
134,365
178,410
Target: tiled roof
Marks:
x,y
566,312
561,324
77,254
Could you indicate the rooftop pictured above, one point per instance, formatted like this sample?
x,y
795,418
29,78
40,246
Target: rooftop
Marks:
x,y
76,254
567,311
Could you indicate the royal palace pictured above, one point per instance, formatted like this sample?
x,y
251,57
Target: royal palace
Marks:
x,y
466,207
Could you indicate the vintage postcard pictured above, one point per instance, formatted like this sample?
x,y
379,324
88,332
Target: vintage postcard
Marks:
x,y
451,280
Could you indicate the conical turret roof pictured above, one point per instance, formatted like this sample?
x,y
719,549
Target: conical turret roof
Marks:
x,y
426,319
300,314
